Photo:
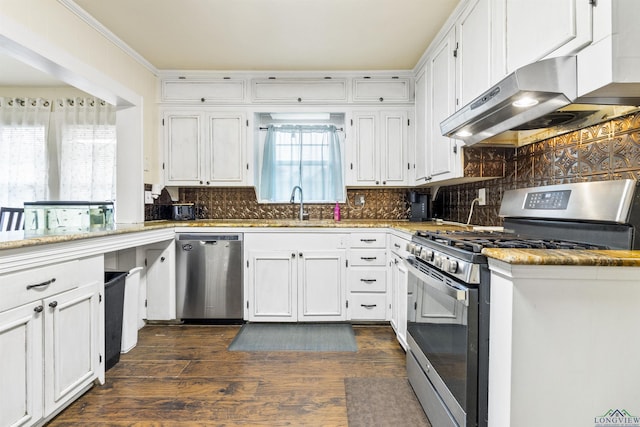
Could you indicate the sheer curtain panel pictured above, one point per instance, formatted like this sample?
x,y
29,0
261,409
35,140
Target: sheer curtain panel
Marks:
x,y
24,126
85,145
306,155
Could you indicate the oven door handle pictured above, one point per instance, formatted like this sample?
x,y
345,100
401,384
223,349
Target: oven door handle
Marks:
x,y
459,292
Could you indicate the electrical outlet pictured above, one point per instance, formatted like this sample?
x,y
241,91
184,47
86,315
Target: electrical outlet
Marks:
x,y
482,197
148,198
359,199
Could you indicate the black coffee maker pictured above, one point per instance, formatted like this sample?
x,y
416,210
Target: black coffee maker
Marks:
x,y
419,206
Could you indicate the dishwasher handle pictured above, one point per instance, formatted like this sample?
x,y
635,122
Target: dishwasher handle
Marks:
x,y
209,237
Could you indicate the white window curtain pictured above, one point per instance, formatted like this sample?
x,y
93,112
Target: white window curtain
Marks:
x,y
85,145
23,150
306,155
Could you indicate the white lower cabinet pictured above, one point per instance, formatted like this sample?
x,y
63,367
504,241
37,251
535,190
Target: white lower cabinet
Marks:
x,y
295,277
399,275
367,277
52,338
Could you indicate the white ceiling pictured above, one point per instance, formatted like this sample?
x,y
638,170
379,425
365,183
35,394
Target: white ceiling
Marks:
x,y
261,35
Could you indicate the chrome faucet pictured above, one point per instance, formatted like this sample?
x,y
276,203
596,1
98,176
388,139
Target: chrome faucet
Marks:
x,y
293,197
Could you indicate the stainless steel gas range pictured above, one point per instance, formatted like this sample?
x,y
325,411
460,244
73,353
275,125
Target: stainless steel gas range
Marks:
x,y
450,285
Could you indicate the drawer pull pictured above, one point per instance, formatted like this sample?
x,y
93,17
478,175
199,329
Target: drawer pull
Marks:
x,y
38,309
368,280
368,240
396,245
53,304
40,285
369,305
368,258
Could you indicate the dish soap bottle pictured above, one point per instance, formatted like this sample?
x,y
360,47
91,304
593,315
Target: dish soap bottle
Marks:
x,y
336,212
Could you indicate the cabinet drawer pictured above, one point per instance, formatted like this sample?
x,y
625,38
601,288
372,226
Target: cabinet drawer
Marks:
x,y
387,90
36,283
299,90
370,257
367,306
368,240
399,245
367,279
208,92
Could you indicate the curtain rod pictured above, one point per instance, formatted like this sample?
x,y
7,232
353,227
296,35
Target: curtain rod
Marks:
x,y
264,128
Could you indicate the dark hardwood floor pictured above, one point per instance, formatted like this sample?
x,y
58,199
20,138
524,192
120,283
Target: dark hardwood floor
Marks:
x,y
184,376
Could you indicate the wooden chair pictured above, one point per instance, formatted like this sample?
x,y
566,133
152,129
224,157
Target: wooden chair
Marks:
x,y
11,219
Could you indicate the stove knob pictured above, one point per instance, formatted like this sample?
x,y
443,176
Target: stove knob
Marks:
x,y
427,254
437,261
452,266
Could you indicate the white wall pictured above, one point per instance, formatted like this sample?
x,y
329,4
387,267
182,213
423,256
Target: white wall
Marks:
x,y
50,37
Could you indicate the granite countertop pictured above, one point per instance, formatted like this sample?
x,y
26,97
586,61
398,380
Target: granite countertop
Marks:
x,y
611,258
16,239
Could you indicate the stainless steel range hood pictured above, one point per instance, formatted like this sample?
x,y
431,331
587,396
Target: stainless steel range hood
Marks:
x,y
535,102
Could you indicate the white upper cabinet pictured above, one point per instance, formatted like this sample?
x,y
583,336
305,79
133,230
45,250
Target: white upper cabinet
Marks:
x,y
183,151
299,91
477,69
378,155
389,90
216,91
545,28
443,153
420,168
205,148
466,59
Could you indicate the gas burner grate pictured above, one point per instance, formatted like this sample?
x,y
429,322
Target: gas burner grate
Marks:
x,y
476,241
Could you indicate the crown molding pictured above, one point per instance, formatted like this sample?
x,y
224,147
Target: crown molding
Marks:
x,y
104,31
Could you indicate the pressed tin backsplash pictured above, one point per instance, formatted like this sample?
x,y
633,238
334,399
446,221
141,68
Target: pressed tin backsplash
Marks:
x,y
602,152
241,203
606,151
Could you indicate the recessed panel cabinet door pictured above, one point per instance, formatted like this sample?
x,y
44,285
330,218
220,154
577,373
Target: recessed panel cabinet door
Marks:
x,y
443,152
365,165
273,286
226,148
21,365
71,345
322,291
561,27
183,157
394,148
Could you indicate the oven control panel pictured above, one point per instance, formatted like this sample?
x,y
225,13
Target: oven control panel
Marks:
x,y
558,199
466,271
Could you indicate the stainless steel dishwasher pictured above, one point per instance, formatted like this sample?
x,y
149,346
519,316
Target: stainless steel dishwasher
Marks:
x,y
209,276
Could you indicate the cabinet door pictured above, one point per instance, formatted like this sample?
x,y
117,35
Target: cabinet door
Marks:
x,y
273,286
72,334
383,90
21,365
321,277
183,153
474,42
420,156
399,279
561,27
364,165
227,149
393,148
443,152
